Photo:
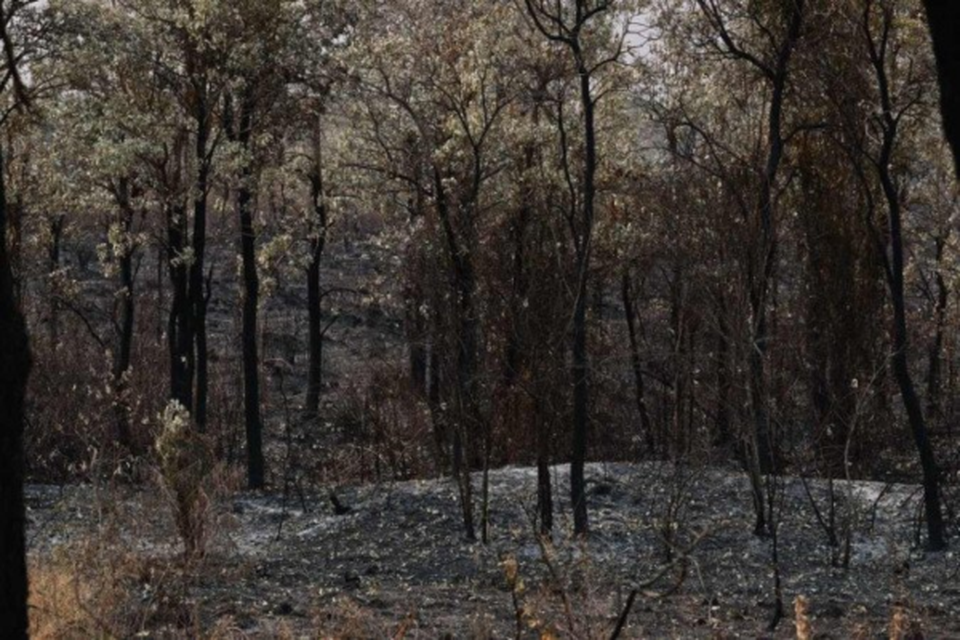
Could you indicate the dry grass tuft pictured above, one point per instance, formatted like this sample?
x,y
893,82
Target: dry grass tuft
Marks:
x,y
345,619
899,622
85,590
804,628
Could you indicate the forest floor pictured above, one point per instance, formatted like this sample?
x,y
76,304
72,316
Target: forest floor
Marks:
x,y
397,564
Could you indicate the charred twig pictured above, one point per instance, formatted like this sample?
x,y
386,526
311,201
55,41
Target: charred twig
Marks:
x,y
622,620
339,508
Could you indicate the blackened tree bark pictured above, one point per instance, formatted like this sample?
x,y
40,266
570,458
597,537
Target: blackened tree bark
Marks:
x,y
935,354
159,301
189,161
636,362
567,29
761,273
936,530
581,362
186,328
544,484
889,122
180,321
57,223
519,359
434,402
14,369
417,327
318,242
15,214
125,315
943,17
198,297
467,340
452,188
251,297
676,443
253,421
774,68
723,435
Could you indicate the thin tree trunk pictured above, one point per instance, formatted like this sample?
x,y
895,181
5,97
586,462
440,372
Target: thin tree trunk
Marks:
x,y
202,370
314,294
198,299
581,362
53,265
544,483
469,414
936,529
943,17
179,325
763,448
14,370
467,340
125,350
567,27
15,212
636,363
418,348
125,326
160,296
723,434
251,290
440,434
936,348
678,443
485,489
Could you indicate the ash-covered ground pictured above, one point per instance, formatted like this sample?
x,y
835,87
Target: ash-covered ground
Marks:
x,y
397,563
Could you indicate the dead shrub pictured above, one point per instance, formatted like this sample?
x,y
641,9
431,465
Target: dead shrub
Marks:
x,y
345,619
74,403
96,588
384,430
186,462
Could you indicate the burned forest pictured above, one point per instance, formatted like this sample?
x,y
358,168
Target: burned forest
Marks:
x,y
479,319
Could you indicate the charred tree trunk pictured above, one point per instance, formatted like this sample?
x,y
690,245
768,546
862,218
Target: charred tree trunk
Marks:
x,y
894,265
440,432
125,322
314,293
566,27
121,366
936,348
636,363
677,443
467,411
251,289
544,483
418,347
180,322
198,298
201,393
723,435
53,266
581,362
943,17
936,529
761,274
15,213
763,447
158,329
469,419
251,301
14,369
